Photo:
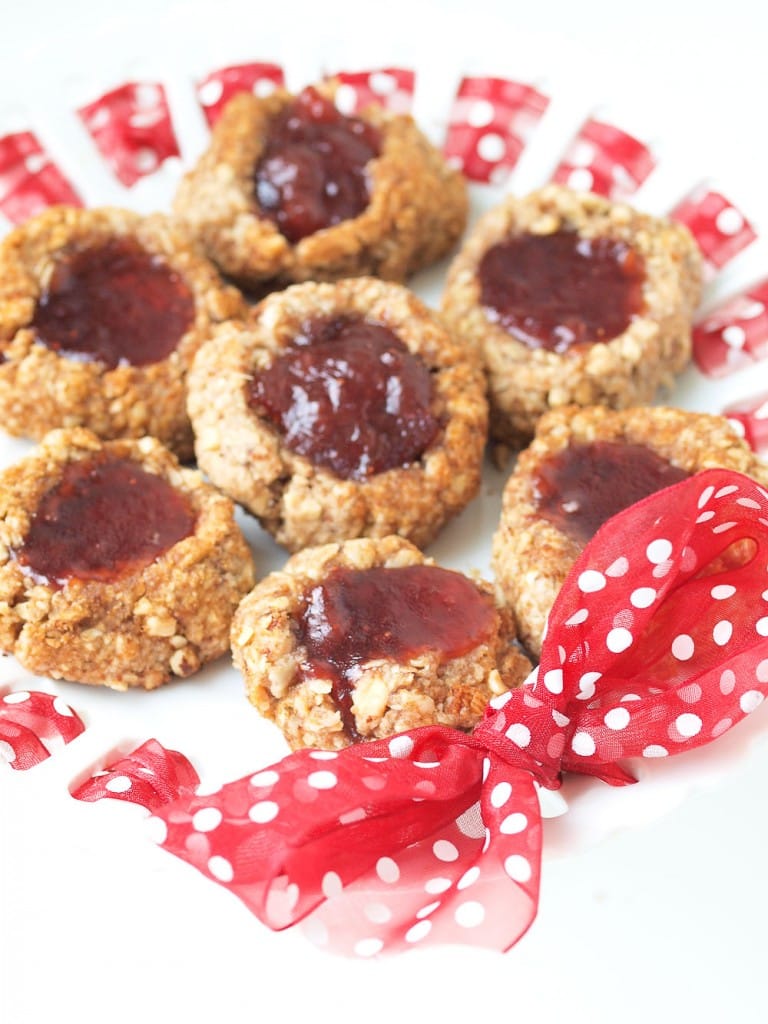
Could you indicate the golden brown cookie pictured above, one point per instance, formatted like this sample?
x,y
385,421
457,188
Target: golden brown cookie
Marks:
x,y
413,206
572,299
101,312
340,410
117,566
583,466
359,640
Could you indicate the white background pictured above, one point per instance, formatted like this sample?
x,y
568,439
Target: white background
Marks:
x,y
662,921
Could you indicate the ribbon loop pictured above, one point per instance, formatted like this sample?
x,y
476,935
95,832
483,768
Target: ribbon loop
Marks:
x,y
659,635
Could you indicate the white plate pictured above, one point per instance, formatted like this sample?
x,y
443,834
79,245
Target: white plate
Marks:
x,y
92,915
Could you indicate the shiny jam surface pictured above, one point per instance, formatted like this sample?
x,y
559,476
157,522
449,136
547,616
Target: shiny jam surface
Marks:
x,y
358,615
349,396
312,174
113,303
107,518
582,486
560,290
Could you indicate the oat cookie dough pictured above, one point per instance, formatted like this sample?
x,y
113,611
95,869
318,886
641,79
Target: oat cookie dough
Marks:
x,y
359,640
340,410
291,190
117,566
572,299
583,466
101,312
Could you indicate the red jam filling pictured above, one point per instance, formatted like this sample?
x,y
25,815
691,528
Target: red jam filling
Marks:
x,y
107,518
359,615
582,486
113,303
560,290
348,395
312,173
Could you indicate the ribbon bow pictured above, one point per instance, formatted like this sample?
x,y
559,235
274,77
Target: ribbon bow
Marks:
x,y
657,643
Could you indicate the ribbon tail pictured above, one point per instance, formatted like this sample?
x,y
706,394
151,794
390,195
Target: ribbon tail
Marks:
x,y
380,847
473,882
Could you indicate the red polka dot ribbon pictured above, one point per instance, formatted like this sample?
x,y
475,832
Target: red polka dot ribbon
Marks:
x,y
390,88
29,180
735,334
490,124
132,129
150,775
749,417
32,725
658,643
217,88
604,159
720,229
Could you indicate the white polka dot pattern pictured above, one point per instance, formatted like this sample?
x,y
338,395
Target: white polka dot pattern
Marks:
x,y
490,124
391,88
749,417
32,725
605,160
384,864
153,777
217,88
29,179
440,888
720,230
638,686
132,129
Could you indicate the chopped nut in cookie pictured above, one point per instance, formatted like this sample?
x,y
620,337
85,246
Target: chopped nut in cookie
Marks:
x,y
364,639
118,566
572,299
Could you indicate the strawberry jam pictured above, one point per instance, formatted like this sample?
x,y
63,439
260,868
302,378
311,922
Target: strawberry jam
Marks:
x,y
113,303
561,290
107,518
312,173
349,396
358,615
582,486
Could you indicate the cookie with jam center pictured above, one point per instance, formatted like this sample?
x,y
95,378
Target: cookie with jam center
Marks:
x,y
572,299
101,312
356,641
118,566
290,189
340,410
583,466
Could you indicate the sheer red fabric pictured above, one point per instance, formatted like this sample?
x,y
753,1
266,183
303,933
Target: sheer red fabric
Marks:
x,y
32,724
658,643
